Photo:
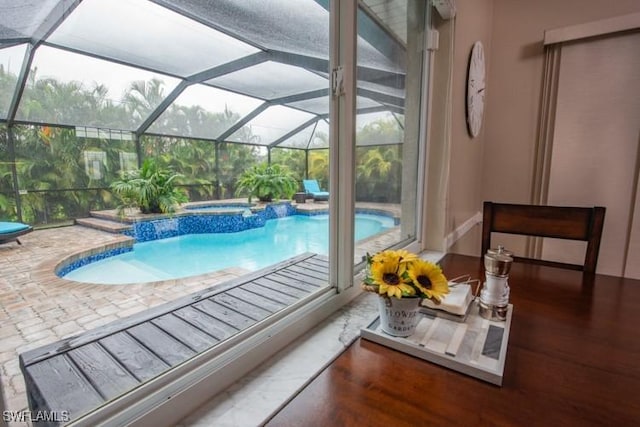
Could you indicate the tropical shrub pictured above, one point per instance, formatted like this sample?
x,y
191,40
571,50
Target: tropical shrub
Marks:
x,y
267,182
150,188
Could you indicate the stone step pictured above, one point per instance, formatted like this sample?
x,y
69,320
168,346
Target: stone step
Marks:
x,y
109,215
104,225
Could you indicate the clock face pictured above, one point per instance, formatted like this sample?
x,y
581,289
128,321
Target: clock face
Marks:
x,y
475,89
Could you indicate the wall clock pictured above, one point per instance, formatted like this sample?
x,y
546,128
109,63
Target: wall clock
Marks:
x,y
475,89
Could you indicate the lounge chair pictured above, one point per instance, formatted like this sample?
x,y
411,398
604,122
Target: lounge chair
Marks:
x,y
311,187
10,231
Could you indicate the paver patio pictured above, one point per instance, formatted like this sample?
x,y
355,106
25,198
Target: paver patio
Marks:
x,y
37,307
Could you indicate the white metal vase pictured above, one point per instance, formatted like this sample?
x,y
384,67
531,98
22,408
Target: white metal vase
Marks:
x,y
399,316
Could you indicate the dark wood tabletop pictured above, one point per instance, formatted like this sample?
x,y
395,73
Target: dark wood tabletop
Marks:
x,y
573,359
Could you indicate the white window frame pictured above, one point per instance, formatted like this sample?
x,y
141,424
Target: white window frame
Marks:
x,y
342,62
172,396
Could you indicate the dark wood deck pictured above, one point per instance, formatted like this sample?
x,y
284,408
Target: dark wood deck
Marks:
x,y
81,373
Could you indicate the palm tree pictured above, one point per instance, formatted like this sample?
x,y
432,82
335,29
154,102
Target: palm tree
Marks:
x,y
319,166
195,160
291,158
381,131
234,160
378,173
142,97
7,87
53,159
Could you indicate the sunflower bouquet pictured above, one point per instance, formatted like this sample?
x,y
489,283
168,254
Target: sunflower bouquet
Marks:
x,y
401,274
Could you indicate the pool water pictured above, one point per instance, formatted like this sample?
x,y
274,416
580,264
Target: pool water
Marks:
x,y
196,254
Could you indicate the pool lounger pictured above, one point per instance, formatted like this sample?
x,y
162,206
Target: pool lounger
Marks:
x,y
311,187
10,231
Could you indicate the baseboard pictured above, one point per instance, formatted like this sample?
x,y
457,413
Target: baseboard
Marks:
x,y
462,229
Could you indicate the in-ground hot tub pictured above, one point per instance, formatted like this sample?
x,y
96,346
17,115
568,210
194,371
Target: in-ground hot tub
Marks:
x,y
222,208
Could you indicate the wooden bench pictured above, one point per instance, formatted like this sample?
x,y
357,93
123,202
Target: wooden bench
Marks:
x,y
78,374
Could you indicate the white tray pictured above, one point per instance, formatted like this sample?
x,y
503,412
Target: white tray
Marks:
x,y
475,347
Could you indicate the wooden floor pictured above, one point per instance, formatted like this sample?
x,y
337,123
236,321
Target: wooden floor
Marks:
x,y
81,373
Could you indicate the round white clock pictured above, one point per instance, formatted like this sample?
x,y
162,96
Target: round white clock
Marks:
x,y
475,89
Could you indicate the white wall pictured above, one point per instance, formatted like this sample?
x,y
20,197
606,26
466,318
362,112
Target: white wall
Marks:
x,y
498,165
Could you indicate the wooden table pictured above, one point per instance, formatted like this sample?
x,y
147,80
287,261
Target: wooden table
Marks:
x,y
573,359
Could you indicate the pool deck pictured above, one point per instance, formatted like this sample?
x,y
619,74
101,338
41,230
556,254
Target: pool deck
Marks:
x,y
80,374
37,307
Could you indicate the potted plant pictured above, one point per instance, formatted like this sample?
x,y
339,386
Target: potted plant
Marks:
x,y
402,280
151,188
267,182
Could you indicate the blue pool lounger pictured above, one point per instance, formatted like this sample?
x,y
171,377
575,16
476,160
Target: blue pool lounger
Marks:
x,y
10,231
311,187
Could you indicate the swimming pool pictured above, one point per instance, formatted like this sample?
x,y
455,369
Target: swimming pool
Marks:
x,y
195,254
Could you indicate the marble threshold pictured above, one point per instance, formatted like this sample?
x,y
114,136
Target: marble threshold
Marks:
x,y
253,399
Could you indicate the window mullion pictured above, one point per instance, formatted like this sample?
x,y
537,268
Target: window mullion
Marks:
x,y
343,56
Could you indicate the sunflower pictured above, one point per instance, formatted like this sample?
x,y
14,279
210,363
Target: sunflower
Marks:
x,y
387,272
401,255
428,278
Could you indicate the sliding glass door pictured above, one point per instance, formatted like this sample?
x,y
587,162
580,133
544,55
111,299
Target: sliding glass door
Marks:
x,y
387,123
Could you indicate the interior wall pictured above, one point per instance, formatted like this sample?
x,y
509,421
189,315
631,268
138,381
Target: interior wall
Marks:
x,y
498,164
473,22
514,85
437,159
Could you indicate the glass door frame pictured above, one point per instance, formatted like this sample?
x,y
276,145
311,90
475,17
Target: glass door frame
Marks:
x,y
173,395
342,63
